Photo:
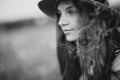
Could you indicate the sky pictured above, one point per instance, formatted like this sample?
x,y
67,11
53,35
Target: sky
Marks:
x,y
19,9
114,2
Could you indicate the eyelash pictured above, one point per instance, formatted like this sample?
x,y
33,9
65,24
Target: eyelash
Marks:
x,y
59,13
71,12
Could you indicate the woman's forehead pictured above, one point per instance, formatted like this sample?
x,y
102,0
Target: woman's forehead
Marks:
x,y
65,5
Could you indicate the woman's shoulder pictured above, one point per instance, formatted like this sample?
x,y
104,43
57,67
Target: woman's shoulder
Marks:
x,y
62,51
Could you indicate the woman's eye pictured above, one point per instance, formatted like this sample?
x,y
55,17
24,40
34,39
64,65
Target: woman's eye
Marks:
x,y
72,12
58,12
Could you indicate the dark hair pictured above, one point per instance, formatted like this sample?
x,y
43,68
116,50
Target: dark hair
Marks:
x,y
101,54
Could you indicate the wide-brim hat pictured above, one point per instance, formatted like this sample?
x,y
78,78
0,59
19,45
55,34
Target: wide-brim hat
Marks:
x,y
49,6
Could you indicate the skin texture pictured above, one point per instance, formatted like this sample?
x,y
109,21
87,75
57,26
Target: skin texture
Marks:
x,y
68,21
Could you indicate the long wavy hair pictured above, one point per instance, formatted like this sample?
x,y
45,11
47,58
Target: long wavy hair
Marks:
x,y
94,47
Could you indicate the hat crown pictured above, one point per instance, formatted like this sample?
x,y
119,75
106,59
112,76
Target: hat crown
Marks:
x,y
101,1
105,2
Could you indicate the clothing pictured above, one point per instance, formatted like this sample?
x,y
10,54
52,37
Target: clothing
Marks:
x,y
70,66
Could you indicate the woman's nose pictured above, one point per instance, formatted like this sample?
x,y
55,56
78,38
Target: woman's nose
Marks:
x,y
63,21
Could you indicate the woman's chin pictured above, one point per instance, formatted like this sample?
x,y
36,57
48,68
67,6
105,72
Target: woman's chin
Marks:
x,y
71,39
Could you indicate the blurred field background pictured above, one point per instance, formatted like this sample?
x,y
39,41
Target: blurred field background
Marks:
x,y
28,50
27,42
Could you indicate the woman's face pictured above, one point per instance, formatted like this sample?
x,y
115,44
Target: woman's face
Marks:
x,y
69,20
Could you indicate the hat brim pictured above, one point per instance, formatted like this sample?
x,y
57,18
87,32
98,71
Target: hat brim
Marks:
x,y
49,7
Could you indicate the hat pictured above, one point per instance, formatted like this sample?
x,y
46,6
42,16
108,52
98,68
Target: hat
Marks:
x,y
49,6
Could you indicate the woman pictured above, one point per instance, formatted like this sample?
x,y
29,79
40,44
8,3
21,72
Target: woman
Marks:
x,y
88,38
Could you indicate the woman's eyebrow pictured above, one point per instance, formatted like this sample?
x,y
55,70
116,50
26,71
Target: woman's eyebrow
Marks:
x,y
70,7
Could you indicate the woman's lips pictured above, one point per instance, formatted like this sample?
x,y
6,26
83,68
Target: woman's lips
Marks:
x,y
67,30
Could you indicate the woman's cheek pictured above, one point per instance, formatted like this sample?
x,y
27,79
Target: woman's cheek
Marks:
x,y
73,36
